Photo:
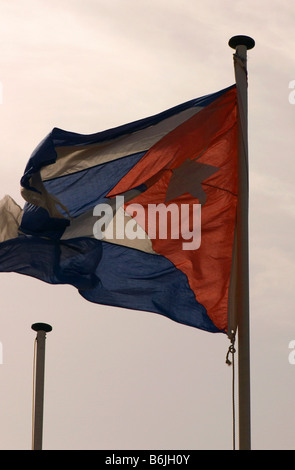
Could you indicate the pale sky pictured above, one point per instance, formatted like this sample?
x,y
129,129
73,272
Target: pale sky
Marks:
x,y
119,379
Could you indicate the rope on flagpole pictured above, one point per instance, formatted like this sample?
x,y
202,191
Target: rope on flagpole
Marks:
x,y
231,350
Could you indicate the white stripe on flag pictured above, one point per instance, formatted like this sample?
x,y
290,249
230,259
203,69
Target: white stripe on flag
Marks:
x,y
71,159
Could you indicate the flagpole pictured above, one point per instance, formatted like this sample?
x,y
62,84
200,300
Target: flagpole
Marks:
x,y
241,44
39,366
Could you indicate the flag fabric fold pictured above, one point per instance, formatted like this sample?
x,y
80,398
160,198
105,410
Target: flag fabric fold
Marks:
x,y
181,158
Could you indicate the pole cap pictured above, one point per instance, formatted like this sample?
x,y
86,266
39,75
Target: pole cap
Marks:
x,y
41,327
241,41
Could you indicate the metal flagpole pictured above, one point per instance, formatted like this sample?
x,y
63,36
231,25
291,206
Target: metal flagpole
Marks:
x,y
241,44
39,368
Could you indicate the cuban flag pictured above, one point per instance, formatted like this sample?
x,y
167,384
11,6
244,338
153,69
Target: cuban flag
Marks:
x,y
141,216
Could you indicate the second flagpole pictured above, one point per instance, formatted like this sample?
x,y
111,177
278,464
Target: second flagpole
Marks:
x,y
41,329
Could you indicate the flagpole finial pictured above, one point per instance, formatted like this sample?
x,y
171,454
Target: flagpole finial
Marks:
x,y
41,327
241,41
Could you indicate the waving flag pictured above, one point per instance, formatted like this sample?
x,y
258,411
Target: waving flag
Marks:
x,y
93,202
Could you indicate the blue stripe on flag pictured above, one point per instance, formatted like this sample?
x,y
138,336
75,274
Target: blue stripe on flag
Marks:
x,y
136,280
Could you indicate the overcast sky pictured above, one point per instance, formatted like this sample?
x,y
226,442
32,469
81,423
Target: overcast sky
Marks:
x,y
119,379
